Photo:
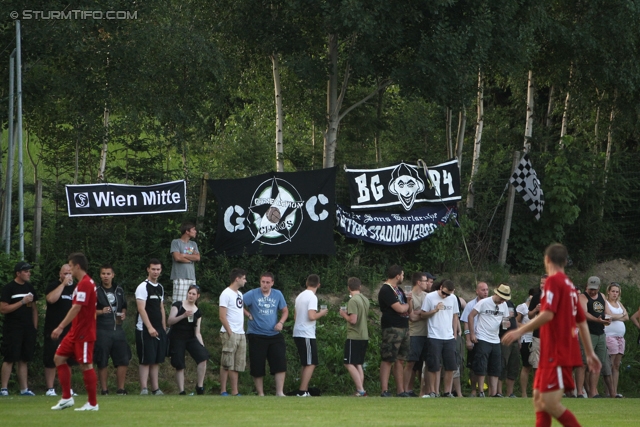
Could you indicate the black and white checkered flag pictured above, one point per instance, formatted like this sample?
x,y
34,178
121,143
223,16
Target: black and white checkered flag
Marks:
x,y
527,184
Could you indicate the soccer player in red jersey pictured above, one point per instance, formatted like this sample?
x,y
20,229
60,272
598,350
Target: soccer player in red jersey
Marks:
x,y
81,338
560,320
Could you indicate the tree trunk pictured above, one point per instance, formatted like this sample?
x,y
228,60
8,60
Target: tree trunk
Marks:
x,y
279,116
528,129
105,146
565,112
376,137
333,107
477,142
607,159
449,135
462,126
550,105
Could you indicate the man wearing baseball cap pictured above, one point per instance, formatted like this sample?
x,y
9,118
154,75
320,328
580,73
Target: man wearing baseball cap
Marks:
x,y
17,303
598,316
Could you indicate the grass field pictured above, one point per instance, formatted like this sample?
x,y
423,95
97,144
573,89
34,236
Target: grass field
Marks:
x,y
126,411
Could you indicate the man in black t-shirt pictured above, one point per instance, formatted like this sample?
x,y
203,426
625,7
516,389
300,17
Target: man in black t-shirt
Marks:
x,y
395,344
59,295
111,341
18,304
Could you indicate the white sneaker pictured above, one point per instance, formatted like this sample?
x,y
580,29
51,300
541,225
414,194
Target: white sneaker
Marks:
x,y
73,393
88,407
51,392
305,394
144,392
63,403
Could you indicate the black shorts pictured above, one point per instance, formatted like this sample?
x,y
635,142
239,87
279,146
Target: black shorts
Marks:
x,y
470,354
110,343
418,351
354,351
177,349
487,359
525,351
19,344
307,350
267,348
441,353
151,350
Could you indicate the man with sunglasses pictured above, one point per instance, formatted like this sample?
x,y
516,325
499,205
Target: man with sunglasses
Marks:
x,y
487,360
441,310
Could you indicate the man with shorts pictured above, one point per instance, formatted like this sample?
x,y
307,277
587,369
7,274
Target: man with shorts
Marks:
x,y
417,331
184,252
80,340
560,317
234,344
522,317
396,343
595,309
487,359
266,343
534,309
355,347
59,295
304,331
111,340
151,328
442,311
482,292
510,355
20,326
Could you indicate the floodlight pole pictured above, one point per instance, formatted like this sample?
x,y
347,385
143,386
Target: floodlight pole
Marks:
x,y
6,224
20,163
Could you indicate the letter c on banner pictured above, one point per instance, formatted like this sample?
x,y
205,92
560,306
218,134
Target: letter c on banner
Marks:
x,y
239,220
311,204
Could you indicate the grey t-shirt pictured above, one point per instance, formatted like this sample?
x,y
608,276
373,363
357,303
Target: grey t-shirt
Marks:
x,y
183,270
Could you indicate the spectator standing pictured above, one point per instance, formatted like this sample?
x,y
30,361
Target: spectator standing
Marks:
x,y
534,309
184,253
417,330
232,336
111,341
355,348
522,318
395,344
615,333
510,355
304,331
185,319
266,342
482,292
59,296
151,327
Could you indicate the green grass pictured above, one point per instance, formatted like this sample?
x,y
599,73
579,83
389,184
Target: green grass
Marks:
x,y
317,411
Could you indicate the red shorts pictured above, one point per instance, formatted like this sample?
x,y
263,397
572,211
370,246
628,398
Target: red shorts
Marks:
x,y
81,350
551,379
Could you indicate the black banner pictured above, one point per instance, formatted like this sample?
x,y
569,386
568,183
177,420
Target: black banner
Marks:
x,y
122,199
403,185
276,213
388,228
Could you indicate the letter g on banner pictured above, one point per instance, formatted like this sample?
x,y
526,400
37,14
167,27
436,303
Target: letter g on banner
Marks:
x,y
311,205
239,219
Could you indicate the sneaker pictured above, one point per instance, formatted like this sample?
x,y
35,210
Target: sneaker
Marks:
x,y
619,396
497,395
512,395
88,407
183,393
4,392
62,404
104,392
51,392
224,393
448,395
481,394
157,392
73,393
238,395
580,396
27,392
431,395
361,394
199,391
385,394
144,392
411,393
121,392
302,394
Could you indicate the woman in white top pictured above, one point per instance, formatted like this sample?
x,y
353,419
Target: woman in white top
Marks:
x,y
615,333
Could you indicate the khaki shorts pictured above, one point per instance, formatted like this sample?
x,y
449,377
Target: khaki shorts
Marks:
x,y
534,354
234,352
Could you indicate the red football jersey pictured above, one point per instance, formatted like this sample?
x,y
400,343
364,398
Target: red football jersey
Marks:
x,y
559,345
83,326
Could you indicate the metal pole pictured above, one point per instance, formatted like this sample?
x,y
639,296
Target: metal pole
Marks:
x,y
20,164
6,225
506,229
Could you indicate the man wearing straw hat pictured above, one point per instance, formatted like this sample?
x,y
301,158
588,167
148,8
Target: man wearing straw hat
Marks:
x,y
484,332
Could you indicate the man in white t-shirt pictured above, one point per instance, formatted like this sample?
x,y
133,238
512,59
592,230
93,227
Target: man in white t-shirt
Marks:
x,y
484,332
441,310
304,331
234,345
482,291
